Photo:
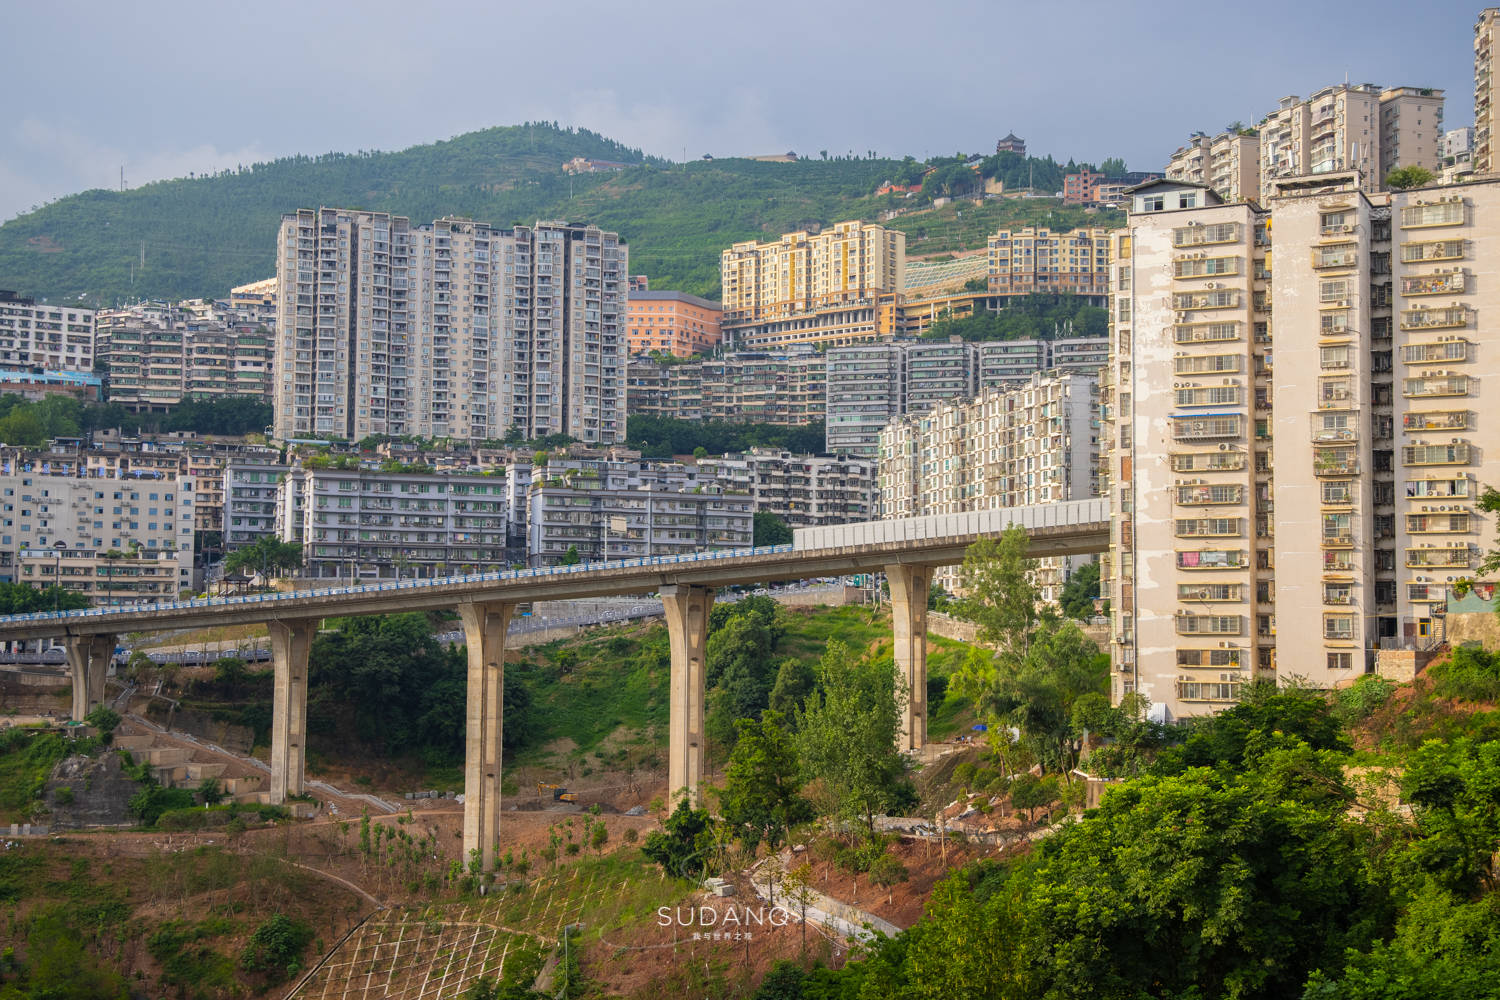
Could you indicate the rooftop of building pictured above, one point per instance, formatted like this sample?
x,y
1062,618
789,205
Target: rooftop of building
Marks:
x,y
673,296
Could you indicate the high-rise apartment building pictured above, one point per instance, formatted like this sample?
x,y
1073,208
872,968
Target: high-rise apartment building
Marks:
x,y
93,505
1036,442
781,388
1485,90
455,329
1030,259
803,490
38,335
806,288
869,385
1341,128
158,356
1228,162
1351,538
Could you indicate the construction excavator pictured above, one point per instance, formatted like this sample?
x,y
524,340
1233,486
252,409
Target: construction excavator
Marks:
x,y
559,793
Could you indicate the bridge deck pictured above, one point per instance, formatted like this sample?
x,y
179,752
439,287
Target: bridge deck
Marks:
x,y
1072,528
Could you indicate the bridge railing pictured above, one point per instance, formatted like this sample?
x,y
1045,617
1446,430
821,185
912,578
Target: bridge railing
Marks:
x,y
393,585
970,524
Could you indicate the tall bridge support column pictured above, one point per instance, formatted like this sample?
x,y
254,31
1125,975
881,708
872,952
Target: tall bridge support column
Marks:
x,y
687,607
290,643
88,661
909,586
484,632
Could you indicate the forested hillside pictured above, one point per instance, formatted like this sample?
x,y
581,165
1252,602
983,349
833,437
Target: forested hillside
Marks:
x,y
201,235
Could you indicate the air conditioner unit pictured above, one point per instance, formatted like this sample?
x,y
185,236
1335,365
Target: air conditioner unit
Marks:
x,y
1443,507
1224,447
1223,645
1211,284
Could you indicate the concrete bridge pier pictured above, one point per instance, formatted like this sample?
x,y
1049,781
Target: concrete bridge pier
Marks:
x,y
484,632
909,586
88,660
290,643
687,607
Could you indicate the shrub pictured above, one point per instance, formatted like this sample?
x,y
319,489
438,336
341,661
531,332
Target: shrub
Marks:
x,y
276,947
1469,674
1360,700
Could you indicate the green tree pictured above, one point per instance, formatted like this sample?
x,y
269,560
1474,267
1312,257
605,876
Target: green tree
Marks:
x,y
999,593
761,798
570,557
795,679
1248,881
277,946
1444,948
1113,166
684,844
739,670
1078,594
846,735
267,555
770,529
1404,178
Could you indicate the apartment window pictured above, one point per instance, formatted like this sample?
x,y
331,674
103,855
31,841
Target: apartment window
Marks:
x,y
1210,494
1208,657
1333,357
1207,428
1338,593
1219,299
1338,529
1210,625
1338,493
1223,232
1336,255
1335,290
1207,691
1412,253
1203,364
1456,349
1341,661
1338,627
1447,212
1436,454
1436,385
1335,223
1208,591
1211,559
1437,488
1214,395
1195,526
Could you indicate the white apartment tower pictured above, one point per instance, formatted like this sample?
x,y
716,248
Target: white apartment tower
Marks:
x,y
1374,422
1341,128
1036,442
1484,90
455,329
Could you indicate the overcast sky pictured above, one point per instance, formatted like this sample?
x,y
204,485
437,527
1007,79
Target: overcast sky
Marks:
x,y
167,88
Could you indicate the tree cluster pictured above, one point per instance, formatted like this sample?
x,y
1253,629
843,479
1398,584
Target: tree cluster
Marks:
x,y
32,424
1038,316
664,437
1248,862
385,680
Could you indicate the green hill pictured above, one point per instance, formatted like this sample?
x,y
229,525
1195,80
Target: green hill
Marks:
x,y
201,235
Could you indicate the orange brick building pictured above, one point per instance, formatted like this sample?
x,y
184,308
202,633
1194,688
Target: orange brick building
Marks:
x,y
674,322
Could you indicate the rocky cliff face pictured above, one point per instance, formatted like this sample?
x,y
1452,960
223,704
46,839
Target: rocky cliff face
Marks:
x,y
90,791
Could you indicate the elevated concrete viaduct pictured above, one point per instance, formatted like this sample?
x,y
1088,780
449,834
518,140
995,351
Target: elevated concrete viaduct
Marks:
x,y
905,550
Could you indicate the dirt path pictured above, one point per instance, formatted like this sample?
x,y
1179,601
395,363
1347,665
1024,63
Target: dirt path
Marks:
x,y
344,803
